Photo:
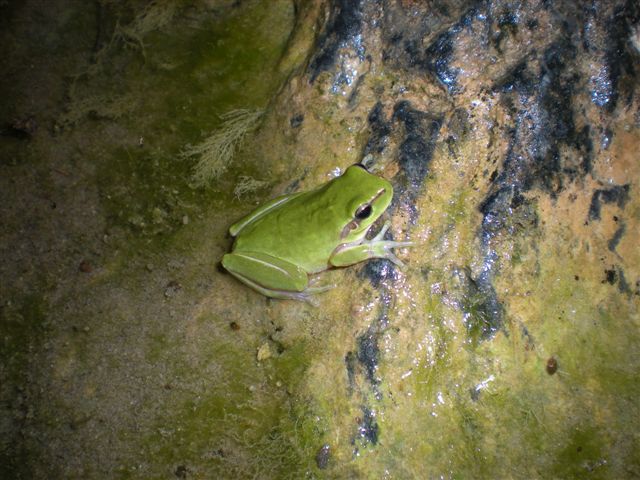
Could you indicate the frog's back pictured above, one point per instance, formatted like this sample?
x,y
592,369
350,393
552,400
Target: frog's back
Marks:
x,y
305,233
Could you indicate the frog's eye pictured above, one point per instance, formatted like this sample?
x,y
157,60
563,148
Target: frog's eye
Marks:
x,y
363,211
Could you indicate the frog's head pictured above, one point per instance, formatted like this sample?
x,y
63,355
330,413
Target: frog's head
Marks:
x,y
366,198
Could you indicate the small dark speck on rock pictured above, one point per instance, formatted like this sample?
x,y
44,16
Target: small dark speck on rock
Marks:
x,y
181,471
234,326
552,365
85,266
219,453
610,276
323,455
24,127
297,120
172,288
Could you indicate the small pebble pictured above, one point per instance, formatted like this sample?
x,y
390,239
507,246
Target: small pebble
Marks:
x,y
173,287
552,365
181,471
264,352
85,266
323,455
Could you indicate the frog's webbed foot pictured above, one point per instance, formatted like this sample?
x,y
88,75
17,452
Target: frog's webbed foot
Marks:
x,y
314,288
377,247
309,293
380,248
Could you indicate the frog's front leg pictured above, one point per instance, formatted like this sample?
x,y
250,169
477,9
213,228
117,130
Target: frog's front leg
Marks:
x,y
349,254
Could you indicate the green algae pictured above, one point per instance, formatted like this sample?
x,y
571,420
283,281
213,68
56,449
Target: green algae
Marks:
x,y
225,69
24,323
215,154
167,100
23,328
244,422
509,412
146,195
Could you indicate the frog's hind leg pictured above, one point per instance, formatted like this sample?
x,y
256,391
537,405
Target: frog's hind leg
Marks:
x,y
307,295
265,272
271,276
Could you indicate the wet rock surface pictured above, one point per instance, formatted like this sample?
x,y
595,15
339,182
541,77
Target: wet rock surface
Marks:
x,y
495,122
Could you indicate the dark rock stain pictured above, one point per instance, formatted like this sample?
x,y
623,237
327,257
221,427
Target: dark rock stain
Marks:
x,y
380,129
542,106
379,270
485,311
423,40
557,125
368,427
438,56
506,210
617,236
369,355
618,194
421,130
507,24
519,79
610,276
344,24
614,275
297,120
351,362
420,134
322,456
619,59
623,285
548,150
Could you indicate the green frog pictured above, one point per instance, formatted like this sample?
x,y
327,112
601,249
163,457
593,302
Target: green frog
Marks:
x,y
281,243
